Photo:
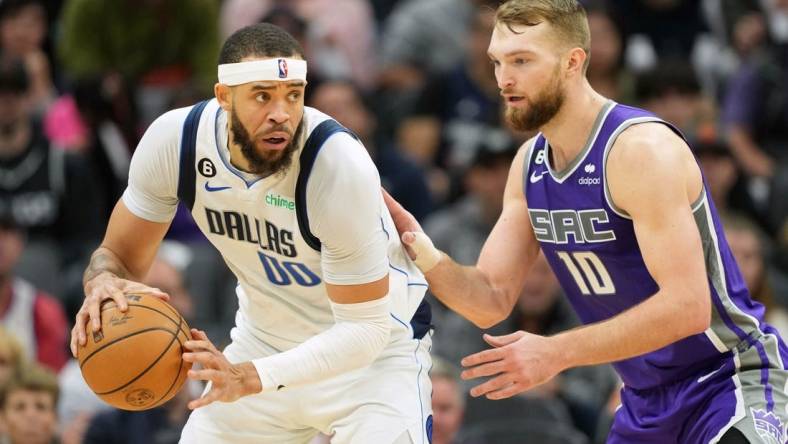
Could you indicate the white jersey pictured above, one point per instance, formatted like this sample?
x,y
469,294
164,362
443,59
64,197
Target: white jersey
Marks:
x,y
283,236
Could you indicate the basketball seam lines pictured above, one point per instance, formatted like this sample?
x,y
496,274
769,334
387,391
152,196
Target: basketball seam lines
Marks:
x,y
175,336
179,324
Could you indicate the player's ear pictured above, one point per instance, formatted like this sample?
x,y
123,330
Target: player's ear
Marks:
x,y
575,61
222,93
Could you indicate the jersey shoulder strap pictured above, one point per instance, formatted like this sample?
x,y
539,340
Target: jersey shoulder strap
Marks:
x,y
186,170
309,153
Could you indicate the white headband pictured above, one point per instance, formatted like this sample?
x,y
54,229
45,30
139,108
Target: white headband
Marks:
x,y
262,70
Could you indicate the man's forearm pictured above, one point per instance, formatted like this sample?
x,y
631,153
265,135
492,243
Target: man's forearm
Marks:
x,y
468,291
103,260
648,326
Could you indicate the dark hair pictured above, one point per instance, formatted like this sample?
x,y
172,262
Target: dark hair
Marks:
x,y
260,40
14,77
284,17
9,8
670,76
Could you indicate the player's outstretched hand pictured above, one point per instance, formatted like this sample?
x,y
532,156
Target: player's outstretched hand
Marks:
x,y
518,362
228,381
418,245
97,290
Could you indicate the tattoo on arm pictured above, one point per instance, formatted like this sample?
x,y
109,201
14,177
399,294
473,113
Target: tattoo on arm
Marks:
x,y
104,261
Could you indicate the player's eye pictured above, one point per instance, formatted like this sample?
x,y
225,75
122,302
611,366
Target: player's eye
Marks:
x,y
519,61
495,62
294,96
262,97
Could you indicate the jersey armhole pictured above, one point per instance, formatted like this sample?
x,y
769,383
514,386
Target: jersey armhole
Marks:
x,y
309,153
527,161
186,169
606,153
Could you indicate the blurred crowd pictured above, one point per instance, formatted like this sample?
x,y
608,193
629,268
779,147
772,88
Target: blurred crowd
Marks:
x,y
80,80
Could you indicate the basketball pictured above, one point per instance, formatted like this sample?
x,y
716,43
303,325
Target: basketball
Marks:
x,y
134,362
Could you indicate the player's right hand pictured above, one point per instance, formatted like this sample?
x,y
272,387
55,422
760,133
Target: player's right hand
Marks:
x,y
418,245
102,287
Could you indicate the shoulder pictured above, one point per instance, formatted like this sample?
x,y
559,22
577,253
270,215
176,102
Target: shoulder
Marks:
x,y
650,166
646,146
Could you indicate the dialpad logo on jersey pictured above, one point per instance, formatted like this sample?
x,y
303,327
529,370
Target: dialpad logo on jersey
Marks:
x,y
206,167
768,426
270,239
555,226
589,169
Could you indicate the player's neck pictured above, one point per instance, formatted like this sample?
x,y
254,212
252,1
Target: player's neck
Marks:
x,y
568,131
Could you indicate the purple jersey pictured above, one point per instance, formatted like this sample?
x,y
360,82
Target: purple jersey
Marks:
x,y
591,246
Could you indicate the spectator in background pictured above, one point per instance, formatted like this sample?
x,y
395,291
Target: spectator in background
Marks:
x,y
106,148
755,110
672,92
607,72
666,28
340,34
12,357
423,38
748,247
161,425
35,318
484,180
46,191
82,121
27,407
448,402
23,29
458,110
541,309
12,360
724,180
124,38
399,176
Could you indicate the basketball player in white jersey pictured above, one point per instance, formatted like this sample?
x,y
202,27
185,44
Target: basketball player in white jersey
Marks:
x,y
332,331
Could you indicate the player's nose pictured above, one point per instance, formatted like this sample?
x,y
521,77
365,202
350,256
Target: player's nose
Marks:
x,y
279,114
504,78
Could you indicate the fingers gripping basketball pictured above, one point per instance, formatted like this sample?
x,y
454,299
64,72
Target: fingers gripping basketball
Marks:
x,y
135,361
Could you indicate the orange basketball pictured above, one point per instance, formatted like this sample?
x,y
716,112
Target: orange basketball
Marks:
x,y
134,362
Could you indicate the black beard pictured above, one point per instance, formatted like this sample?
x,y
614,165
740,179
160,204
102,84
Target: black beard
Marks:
x,y
540,111
259,164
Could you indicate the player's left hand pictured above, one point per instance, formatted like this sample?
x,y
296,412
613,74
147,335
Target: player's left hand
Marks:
x,y
228,381
518,362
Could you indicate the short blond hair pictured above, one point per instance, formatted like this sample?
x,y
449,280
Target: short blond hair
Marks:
x,y
567,17
33,378
11,351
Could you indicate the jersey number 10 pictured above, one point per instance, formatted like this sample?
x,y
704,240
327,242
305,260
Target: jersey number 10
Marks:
x,y
585,266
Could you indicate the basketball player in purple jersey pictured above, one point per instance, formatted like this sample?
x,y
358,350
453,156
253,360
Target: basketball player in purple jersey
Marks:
x,y
615,199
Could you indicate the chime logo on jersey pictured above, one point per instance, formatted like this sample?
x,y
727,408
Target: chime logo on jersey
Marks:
x,y
282,68
279,201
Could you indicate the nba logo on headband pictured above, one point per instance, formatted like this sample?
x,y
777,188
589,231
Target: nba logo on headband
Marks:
x,y
282,68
